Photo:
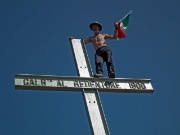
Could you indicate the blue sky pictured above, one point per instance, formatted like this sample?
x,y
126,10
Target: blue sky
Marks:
x,y
34,40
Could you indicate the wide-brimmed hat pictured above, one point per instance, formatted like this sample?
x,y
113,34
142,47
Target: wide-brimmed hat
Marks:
x,y
95,23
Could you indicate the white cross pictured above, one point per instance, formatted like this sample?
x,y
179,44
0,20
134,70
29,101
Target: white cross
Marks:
x,y
87,84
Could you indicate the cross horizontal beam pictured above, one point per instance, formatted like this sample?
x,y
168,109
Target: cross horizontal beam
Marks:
x,y
61,83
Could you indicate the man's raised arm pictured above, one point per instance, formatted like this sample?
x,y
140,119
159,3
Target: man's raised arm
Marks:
x,y
115,36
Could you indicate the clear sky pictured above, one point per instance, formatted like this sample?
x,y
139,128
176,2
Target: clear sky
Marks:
x,y
34,40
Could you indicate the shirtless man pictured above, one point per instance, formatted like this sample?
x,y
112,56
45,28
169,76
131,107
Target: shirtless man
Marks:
x,y
103,52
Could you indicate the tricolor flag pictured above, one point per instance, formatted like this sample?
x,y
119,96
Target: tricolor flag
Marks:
x,y
123,25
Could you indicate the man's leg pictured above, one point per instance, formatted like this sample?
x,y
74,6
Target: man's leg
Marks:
x,y
99,64
109,63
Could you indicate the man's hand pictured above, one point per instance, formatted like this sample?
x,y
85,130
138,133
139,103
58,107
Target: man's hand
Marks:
x,y
70,38
116,25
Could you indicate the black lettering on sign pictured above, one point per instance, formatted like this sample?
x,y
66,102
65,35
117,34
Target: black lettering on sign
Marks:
x,y
30,82
113,85
76,84
92,84
136,85
97,84
102,84
43,82
49,80
60,83
26,82
117,85
87,83
107,84
81,83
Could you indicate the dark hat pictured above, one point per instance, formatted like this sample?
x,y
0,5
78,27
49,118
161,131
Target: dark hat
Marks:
x,y
95,23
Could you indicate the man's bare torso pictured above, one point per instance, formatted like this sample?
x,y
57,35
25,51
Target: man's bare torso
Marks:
x,y
98,41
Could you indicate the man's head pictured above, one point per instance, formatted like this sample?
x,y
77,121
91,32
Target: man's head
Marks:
x,y
94,26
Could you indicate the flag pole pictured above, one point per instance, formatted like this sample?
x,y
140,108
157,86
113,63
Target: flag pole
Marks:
x,y
130,12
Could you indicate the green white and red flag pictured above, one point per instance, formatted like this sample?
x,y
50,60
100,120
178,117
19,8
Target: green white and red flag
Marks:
x,y
123,25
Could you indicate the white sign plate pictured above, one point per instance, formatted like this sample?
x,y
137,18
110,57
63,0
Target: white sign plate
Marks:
x,y
42,82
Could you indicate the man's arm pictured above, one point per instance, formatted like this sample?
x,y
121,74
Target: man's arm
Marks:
x,y
115,36
86,41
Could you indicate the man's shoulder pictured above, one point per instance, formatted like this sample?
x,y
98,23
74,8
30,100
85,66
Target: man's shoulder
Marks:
x,y
104,34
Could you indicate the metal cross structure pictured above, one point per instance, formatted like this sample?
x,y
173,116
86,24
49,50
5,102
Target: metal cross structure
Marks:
x,y
87,84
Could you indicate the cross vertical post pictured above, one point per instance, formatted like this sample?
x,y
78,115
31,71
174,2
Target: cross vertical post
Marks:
x,y
97,120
